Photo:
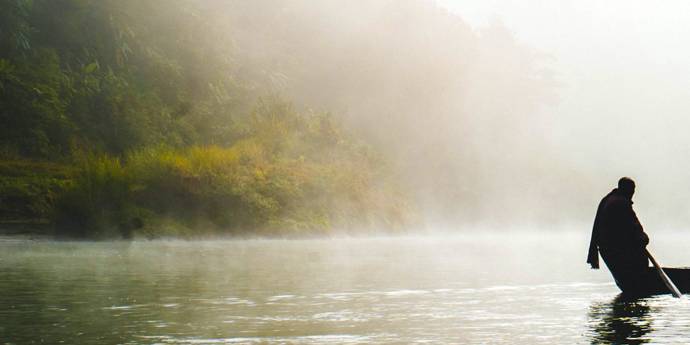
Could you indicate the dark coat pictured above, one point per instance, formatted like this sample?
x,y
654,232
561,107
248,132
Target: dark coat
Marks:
x,y
618,235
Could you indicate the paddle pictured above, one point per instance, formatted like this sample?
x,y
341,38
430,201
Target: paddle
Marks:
x,y
674,290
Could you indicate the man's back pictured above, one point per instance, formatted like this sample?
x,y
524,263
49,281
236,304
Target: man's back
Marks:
x,y
620,228
618,234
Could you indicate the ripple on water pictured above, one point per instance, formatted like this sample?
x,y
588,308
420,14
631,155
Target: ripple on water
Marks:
x,y
150,293
342,316
280,298
124,307
307,339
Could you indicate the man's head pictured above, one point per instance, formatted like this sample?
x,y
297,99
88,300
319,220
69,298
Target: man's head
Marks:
x,y
626,186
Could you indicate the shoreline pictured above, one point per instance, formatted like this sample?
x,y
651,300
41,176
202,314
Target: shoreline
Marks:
x,y
26,229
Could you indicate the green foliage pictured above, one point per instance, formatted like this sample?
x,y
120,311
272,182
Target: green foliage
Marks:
x,y
32,108
110,75
96,199
28,189
175,133
280,179
14,26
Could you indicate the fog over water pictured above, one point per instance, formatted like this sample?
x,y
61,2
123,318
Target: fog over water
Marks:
x,y
496,112
376,290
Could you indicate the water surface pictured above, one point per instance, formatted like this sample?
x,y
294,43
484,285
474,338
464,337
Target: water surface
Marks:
x,y
498,289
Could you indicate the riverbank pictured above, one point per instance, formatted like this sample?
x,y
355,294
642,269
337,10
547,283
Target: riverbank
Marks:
x,y
28,192
26,230
247,189
134,135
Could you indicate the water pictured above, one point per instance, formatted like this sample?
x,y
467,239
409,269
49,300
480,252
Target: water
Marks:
x,y
493,289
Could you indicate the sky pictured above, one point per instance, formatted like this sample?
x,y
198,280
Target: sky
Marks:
x,y
624,95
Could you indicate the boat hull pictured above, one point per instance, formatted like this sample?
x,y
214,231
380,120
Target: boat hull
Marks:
x,y
649,283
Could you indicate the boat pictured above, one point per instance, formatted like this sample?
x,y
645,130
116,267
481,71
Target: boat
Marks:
x,y
647,283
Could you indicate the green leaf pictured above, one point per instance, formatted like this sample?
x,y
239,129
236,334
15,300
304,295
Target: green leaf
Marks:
x,y
4,65
90,68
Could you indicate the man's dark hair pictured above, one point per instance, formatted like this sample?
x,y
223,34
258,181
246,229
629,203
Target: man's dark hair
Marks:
x,y
626,183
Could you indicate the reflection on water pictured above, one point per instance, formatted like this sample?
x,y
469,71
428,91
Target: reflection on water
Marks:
x,y
621,321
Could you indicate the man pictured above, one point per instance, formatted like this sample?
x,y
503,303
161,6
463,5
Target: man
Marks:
x,y
618,234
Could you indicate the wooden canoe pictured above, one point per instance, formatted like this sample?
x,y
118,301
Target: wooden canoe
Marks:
x,y
649,283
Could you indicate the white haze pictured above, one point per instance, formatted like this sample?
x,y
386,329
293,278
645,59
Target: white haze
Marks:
x,y
624,94
499,113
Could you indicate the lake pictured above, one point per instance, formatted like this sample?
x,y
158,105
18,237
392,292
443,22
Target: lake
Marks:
x,y
517,288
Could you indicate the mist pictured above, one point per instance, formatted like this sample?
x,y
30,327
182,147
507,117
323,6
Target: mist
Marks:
x,y
329,171
465,113
459,114
622,75
496,112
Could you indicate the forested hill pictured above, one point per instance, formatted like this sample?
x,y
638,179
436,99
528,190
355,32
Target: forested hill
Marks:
x,y
133,118
184,117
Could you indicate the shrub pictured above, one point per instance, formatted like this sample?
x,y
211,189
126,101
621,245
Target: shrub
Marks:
x,y
291,174
97,199
28,189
